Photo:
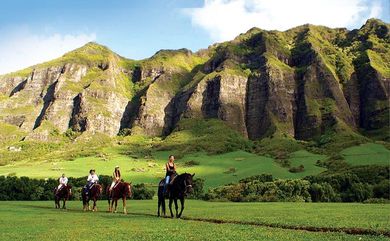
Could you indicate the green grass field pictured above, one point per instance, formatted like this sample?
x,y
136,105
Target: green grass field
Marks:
x,y
40,221
367,154
215,169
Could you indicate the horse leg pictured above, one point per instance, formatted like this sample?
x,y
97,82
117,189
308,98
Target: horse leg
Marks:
x,y
170,206
112,205
176,208
109,204
94,205
124,205
163,206
63,205
158,207
116,204
182,206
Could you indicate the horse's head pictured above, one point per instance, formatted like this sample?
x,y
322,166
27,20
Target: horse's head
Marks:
x,y
188,182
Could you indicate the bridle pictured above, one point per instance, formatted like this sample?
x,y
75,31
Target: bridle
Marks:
x,y
187,186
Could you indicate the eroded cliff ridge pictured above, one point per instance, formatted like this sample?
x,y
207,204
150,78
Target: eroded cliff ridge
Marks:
x,y
300,83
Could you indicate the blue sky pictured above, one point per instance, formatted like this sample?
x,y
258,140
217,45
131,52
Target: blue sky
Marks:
x,y
40,30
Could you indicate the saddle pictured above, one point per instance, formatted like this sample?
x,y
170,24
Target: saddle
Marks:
x,y
57,190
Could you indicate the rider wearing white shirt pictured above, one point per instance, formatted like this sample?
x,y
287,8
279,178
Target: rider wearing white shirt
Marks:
x,y
63,181
92,179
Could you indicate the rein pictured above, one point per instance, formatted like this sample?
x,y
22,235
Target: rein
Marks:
x,y
186,187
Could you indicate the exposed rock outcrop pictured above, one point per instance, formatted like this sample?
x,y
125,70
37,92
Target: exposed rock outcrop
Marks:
x,y
299,83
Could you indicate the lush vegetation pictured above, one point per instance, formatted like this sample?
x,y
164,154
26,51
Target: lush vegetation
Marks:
x,y
357,184
141,224
24,188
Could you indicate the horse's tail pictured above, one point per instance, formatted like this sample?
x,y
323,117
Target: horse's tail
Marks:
x,y
160,189
130,193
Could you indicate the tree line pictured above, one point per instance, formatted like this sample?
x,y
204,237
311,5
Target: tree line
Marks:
x,y
25,188
356,184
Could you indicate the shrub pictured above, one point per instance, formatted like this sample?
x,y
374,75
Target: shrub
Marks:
x,y
323,193
358,192
382,189
254,189
197,192
297,169
141,192
191,163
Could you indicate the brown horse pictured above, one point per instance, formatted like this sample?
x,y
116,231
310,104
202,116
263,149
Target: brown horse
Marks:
x,y
93,194
63,194
120,190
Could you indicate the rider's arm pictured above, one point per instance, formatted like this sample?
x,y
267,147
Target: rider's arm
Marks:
x,y
89,178
174,167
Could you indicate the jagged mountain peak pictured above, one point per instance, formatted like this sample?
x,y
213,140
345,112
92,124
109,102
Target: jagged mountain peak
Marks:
x,y
377,27
301,83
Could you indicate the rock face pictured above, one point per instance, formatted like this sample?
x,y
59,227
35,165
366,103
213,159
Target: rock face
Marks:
x,y
299,83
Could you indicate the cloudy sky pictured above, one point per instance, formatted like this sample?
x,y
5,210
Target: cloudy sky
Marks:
x,y
36,31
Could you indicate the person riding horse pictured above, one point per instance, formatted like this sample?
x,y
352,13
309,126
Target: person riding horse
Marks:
x,y
170,168
91,180
116,178
63,180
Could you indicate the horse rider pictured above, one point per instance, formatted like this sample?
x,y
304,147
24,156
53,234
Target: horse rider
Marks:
x,y
63,180
170,168
116,178
91,180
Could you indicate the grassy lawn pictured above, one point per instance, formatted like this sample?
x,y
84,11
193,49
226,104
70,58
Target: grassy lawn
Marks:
x,y
308,160
40,221
367,154
215,169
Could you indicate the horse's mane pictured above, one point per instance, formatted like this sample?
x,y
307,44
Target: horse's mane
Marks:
x,y
179,180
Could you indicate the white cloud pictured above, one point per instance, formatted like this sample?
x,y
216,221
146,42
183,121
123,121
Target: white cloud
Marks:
x,y
21,49
225,19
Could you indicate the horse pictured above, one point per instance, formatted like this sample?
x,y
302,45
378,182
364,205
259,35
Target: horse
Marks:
x,y
93,194
179,187
120,190
64,193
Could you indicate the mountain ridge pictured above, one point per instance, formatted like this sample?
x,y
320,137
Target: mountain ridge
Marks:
x,y
301,83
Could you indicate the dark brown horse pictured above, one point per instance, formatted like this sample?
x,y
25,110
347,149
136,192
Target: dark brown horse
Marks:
x,y
93,194
63,194
120,190
180,186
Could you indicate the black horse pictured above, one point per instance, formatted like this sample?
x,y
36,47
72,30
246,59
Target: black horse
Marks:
x,y
180,186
